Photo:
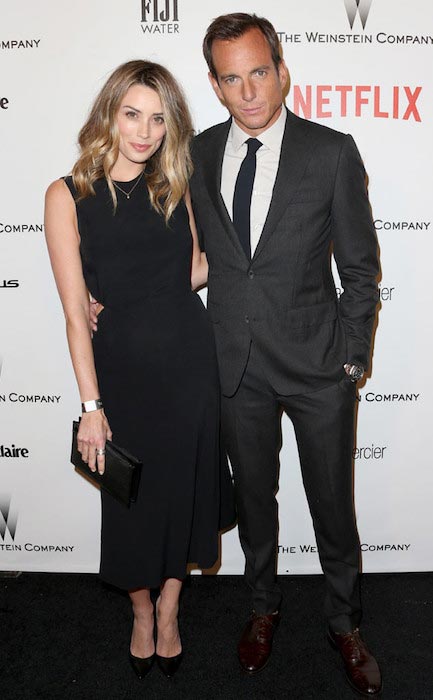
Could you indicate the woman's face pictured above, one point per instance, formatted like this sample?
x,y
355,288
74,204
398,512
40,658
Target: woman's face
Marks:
x,y
141,125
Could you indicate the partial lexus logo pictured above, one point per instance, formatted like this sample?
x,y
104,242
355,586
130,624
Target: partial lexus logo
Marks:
x,y
357,6
9,284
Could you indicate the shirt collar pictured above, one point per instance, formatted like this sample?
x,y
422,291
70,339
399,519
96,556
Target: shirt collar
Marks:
x,y
271,138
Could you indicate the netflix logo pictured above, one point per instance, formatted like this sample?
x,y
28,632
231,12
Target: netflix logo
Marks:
x,y
375,101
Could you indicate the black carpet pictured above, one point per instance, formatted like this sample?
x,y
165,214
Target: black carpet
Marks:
x,y
66,636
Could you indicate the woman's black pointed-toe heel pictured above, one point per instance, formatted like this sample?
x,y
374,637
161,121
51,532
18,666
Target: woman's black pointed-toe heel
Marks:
x,y
141,666
169,665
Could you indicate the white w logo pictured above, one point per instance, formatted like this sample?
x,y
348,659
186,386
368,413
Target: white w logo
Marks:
x,y
354,6
8,520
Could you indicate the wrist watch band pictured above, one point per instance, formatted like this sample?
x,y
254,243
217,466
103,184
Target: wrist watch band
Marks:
x,y
355,372
88,406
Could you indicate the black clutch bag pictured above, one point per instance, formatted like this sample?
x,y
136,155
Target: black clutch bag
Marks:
x,y
122,471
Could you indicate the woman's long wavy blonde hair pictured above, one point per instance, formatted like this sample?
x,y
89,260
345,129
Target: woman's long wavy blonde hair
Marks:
x,y
169,169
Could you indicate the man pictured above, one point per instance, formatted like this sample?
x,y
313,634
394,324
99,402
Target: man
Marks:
x,y
273,194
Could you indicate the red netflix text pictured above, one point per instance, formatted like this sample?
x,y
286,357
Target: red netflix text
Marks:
x,y
324,101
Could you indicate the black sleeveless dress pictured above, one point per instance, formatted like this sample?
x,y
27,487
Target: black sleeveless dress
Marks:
x,y
157,373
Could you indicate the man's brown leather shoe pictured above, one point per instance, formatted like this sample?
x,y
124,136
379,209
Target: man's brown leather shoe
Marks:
x,y
255,645
362,670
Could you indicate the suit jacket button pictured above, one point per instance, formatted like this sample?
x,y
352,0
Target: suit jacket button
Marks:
x,y
247,319
250,274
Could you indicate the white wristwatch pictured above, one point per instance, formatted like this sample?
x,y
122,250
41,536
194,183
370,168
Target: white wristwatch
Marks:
x,y
88,406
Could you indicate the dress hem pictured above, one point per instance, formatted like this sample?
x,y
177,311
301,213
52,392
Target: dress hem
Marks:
x,y
153,584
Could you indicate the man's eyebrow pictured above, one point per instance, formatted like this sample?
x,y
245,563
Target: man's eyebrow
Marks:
x,y
265,66
223,76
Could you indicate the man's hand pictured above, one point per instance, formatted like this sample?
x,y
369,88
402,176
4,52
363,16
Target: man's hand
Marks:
x,y
355,372
95,309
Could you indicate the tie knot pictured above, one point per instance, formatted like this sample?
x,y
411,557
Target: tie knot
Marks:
x,y
253,146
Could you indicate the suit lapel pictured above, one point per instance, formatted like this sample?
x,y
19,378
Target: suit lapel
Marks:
x,y
296,151
213,162
295,154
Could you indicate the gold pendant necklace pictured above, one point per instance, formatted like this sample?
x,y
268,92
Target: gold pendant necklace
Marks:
x,y
128,194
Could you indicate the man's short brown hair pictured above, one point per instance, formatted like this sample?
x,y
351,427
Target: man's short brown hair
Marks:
x,y
233,26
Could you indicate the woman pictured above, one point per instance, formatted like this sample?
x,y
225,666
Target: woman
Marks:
x,y
122,227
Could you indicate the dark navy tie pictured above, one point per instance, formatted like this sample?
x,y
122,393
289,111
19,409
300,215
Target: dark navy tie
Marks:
x,y
242,196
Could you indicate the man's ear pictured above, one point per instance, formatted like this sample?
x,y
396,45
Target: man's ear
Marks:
x,y
216,88
283,74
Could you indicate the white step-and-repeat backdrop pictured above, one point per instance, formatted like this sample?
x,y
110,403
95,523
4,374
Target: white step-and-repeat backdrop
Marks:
x,y
360,66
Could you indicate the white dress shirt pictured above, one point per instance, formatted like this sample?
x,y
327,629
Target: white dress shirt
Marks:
x,y
267,158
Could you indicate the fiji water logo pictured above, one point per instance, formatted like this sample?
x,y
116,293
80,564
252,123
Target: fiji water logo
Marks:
x,y
160,16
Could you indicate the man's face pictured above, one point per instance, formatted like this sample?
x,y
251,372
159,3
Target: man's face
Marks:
x,y
248,83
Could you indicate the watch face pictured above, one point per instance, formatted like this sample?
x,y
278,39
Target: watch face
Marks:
x,y
357,373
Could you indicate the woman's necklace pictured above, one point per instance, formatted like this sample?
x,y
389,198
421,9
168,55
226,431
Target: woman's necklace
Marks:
x,y
128,194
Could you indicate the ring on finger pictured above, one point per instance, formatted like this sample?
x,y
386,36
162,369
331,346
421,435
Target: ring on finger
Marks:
x,y
100,452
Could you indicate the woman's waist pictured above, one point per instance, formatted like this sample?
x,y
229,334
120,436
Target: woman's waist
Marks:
x,y
133,297
149,303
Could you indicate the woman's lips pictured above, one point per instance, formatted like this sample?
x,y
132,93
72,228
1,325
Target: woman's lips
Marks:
x,y
140,147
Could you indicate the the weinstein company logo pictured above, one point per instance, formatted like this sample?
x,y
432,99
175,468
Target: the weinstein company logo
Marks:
x,y
160,16
354,9
8,528
8,519
362,7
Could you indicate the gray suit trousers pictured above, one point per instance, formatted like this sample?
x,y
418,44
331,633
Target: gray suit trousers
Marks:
x,y
323,421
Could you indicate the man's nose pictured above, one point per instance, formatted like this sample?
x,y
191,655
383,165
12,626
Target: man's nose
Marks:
x,y
248,92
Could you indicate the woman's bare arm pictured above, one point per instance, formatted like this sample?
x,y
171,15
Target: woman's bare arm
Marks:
x,y
61,230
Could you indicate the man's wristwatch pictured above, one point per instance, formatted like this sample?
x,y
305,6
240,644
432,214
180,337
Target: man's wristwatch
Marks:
x,y
355,372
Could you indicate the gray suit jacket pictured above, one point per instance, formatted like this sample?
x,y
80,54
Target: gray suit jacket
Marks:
x,y
284,299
